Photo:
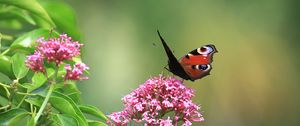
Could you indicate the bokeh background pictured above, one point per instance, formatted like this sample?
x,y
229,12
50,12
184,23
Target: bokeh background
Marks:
x,y
255,80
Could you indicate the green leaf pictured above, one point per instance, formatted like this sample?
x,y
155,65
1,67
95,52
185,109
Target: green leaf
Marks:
x,y
38,80
70,89
61,72
96,123
31,122
10,24
30,87
18,65
11,12
3,101
4,79
4,91
32,6
27,42
66,105
50,72
65,120
63,16
35,100
12,117
18,98
5,66
41,91
92,111
41,22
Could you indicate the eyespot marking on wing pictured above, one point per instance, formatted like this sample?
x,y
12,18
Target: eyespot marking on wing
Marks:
x,y
203,67
205,50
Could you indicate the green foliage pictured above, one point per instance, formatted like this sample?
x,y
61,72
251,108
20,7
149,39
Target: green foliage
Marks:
x,y
66,105
26,42
38,98
5,66
65,120
92,111
96,123
32,6
12,117
56,9
18,65
38,80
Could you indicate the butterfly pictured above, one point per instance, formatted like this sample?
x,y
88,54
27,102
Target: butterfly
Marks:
x,y
195,65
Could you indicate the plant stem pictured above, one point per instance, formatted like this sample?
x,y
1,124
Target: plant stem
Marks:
x,y
6,88
51,84
4,85
26,94
36,118
6,37
21,101
6,51
5,107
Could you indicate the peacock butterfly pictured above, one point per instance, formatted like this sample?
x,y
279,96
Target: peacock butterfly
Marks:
x,y
195,65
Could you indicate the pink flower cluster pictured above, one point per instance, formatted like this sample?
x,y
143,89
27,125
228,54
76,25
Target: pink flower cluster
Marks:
x,y
57,50
76,72
35,62
163,101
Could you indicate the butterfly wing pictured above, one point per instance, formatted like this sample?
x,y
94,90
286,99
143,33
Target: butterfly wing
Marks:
x,y
174,65
197,63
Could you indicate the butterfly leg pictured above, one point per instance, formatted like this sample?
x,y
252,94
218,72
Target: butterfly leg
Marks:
x,y
167,68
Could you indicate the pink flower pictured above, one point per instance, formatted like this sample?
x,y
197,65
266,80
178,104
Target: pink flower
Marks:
x,y
35,62
155,98
139,107
187,123
120,118
76,72
58,49
167,104
166,122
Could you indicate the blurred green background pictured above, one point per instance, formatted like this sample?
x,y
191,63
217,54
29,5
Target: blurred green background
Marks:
x,y
255,80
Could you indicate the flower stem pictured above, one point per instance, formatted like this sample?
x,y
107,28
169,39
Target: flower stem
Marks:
x,y
4,107
26,94
6,88
4,85
21,101
51,88
36,118
6,51
6,37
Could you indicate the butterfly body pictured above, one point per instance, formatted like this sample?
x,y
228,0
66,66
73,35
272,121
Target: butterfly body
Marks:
x,y
195,65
